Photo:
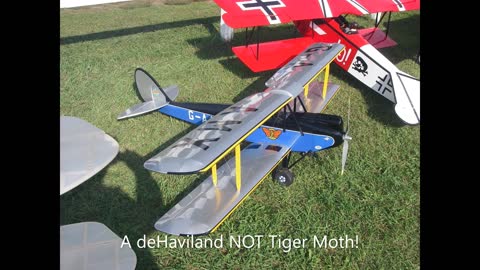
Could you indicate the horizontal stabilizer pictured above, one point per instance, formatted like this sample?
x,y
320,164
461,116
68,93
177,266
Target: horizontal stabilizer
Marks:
x,y
158,102
271,55
205,208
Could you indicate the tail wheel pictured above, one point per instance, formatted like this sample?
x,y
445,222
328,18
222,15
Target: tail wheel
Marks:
x,y
283,176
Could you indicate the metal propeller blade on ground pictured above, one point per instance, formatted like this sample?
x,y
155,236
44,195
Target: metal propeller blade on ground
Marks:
x,y
346,138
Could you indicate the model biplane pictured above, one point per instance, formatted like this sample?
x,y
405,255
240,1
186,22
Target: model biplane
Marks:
x,y
323,21
275,123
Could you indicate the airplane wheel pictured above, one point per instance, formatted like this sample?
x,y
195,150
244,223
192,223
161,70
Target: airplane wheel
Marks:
x,y
284,177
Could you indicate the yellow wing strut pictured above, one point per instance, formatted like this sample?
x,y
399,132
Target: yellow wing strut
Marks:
x,y
238,169
214,174
325,81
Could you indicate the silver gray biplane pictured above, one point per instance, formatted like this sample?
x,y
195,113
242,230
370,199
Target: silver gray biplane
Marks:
x,y
282,119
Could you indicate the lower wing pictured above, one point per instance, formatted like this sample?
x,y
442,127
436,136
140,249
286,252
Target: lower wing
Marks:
x,y
208,205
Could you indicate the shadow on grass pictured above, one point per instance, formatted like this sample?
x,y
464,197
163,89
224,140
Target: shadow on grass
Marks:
x,y
93,201
136,30
213,47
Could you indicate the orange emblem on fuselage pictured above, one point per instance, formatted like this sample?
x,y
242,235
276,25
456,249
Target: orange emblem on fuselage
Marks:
x,y
272,133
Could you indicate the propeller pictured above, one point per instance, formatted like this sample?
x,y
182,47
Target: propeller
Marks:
x,y
346,138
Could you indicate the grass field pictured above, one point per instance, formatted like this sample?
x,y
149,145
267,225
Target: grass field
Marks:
x,y
378,198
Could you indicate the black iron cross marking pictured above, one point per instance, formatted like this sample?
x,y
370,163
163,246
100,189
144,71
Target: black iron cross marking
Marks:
x,y
266,6
384,84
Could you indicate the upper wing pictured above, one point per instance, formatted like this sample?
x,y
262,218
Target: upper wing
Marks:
x,y
246,13
304,67
204,146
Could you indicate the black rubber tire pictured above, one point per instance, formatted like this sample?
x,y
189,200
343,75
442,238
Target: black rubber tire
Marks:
x,y
283,176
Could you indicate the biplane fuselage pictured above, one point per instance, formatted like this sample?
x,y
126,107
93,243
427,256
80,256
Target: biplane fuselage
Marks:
x,y
320,131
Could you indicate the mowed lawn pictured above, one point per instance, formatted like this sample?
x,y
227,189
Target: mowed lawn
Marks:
x,y
378,197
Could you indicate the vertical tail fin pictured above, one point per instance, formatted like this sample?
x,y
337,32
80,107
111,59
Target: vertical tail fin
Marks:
x,y
154,97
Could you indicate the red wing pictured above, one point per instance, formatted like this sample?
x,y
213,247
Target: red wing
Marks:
x,y
273,54
243,13
246,13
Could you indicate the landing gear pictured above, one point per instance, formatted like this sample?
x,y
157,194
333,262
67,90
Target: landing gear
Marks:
x,y
283,176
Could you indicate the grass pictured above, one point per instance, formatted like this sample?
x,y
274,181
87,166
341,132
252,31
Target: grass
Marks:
x,y
377,198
